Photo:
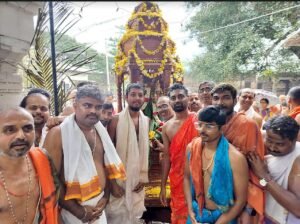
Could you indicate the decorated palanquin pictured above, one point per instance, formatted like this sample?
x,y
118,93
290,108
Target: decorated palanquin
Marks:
x,y
147,55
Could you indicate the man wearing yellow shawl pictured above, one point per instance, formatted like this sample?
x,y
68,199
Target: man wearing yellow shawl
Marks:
x,y
85,159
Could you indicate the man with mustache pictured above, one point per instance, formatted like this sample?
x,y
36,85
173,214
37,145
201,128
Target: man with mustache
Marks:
x,y
214,171
37,102
177,133
279,172
204,93
27,187
129,132
194,103
164,109
245,100
85,159
243,133
106,113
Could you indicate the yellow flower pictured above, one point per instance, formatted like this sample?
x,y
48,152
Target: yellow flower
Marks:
x,y
151,135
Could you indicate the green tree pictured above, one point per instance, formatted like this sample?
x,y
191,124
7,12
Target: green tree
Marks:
x,y
245,49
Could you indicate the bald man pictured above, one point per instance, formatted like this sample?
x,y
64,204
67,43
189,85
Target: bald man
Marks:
x,y
28,192
164,109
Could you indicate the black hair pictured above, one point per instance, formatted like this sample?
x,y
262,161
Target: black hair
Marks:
x,y
247,90
89,90
265,99
283,125
83,83
294,93
133,86
211,83
212,113
107,106
35,91
177,86
223,87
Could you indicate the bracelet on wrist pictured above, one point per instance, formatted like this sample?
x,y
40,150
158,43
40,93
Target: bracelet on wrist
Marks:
x,y
85,213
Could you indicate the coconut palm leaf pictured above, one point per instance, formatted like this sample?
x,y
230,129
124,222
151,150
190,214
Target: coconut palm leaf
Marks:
x,y
38,69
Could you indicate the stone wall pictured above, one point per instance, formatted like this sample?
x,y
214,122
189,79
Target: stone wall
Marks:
x,y
16,33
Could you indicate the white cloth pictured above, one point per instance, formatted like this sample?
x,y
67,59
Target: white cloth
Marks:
x,y
43,137
134,155
78,166
69,218
280,168
249,113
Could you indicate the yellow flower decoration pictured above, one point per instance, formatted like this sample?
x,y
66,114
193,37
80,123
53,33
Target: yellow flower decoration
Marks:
x,y
151,135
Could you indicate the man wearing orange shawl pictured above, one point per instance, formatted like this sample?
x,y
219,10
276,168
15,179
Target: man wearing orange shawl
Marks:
x,y
177,133
294,104
244,134
28,185
216,174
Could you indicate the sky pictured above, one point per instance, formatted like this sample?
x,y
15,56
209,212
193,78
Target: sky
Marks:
x,y
100,20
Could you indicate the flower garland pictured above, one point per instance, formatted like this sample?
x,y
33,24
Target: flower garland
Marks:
x,y
149,52
166,44
141,65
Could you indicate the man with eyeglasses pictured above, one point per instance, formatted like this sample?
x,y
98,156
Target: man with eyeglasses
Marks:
x,y
177,133
245,101
164,109
244,134
216,173
204,93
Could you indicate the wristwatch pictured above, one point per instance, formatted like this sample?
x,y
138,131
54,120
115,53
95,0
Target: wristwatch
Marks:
x,y
263,182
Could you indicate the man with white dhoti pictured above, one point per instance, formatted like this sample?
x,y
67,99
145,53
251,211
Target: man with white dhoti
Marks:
x,y
280,176
129,131
85,159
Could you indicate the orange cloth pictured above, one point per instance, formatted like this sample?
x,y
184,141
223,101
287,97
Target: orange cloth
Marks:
x,y
196,167
49,201
295,112
244,134
177,157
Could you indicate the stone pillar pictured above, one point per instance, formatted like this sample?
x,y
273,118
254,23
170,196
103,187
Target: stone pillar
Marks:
x,y
16,33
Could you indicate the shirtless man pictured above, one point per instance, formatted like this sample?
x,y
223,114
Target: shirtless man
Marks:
x,y
76,147
210,161
177,133
25,173
129,131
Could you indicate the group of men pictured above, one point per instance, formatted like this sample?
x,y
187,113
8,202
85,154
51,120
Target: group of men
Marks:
x,y
83,172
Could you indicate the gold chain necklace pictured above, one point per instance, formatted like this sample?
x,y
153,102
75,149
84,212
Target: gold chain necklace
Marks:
x,y
11,207
209,164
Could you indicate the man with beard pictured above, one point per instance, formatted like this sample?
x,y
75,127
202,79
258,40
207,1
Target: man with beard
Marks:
x,y
106,113
244,134
215,171
28,192
85,159
244,104
204,93
129,132
194,103
37,102
279,174
177,133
